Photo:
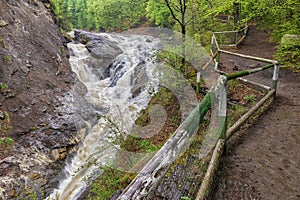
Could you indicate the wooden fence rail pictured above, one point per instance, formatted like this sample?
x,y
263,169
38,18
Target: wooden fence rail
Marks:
x,y
151,175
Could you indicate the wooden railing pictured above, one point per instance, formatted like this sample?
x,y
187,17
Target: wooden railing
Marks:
x,y
151,175
232,38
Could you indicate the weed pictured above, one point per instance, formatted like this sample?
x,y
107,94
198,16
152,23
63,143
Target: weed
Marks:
x,y
109,183
147,146
3,86
35,128
249,98
231,83
6,141
27,83
62,48
5,126
175,119
7,58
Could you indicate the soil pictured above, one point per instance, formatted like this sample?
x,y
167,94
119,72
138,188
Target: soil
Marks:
x,y
263,162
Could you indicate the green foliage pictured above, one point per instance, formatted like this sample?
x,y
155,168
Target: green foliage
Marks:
x,y
5,126
158,13
109,183
7,58
6,141
249,98
103,15
148,147
288,51
185,198
3,87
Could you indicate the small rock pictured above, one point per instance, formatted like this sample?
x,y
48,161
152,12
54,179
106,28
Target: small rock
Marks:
x,y
59,154
3,23
235,68
1,114
33,102
28,64
34,176
25,69
13,109
43,109
254,66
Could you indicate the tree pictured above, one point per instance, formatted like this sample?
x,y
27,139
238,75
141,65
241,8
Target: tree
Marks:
x,y
158,12
178,10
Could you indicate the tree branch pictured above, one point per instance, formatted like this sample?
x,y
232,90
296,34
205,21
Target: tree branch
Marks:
x,y
172,12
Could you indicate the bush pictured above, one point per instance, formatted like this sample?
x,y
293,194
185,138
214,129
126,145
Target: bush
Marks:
x,y
288,51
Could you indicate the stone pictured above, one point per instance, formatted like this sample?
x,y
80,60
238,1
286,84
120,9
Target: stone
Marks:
x,y
290,40
28,64
34,176
3,23
59,154
1,115
25,69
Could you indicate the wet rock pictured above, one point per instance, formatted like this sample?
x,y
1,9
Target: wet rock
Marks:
x,y
98,46
3,23
59,154
34,176
33,42
138,80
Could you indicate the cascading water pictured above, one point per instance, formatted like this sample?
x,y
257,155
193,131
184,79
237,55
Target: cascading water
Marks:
x,y
119,90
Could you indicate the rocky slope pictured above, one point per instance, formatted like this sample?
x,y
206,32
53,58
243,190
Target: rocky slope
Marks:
x,y
36,82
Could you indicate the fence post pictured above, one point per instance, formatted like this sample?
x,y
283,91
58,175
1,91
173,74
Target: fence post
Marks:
x,y
217,60
213,48
275,75
198,82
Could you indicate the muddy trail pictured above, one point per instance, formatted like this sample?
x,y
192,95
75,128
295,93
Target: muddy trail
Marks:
x,y
263,162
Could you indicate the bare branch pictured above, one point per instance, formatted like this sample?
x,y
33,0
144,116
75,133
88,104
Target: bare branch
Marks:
x,y
172,11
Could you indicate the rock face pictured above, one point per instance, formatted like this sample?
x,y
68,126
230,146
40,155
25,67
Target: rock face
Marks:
x,y
37,77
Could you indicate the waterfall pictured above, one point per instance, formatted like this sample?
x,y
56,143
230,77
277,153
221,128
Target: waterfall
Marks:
x,y
120,90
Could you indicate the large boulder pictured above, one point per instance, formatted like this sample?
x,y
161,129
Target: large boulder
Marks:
x,y
290,41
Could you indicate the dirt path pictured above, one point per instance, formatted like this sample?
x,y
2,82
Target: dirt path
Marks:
x,y
264,161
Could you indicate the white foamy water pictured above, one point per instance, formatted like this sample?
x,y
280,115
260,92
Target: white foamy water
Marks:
x,y
113,97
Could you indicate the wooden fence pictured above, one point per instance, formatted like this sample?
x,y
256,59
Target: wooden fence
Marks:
x,y
151,175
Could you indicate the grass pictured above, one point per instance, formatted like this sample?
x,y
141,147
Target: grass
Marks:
x,y
7,58
6,141
250,98
234,112
110,182
3,87
5,126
